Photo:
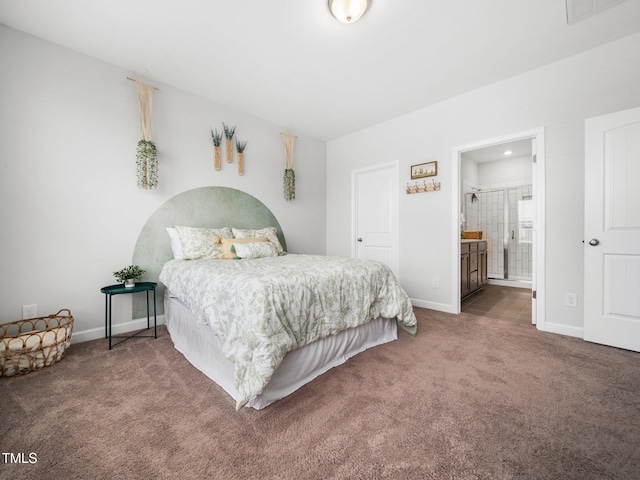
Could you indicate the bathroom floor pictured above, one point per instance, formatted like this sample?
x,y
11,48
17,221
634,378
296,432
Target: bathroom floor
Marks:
x,y
505,303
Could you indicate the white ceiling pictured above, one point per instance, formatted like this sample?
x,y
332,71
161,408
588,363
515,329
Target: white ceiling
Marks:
x,y
291,63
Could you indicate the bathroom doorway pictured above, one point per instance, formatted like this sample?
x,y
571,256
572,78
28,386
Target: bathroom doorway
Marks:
x,y
497,200
500,193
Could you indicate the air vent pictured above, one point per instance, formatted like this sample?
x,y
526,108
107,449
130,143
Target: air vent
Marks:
x,y
580,9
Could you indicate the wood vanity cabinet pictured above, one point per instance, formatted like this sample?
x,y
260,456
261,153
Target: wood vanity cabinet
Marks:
x,y
473,266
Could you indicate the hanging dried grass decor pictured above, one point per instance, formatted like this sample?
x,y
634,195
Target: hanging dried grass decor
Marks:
x,y
240,146
289,186
147,154
228,133
217,140
147,165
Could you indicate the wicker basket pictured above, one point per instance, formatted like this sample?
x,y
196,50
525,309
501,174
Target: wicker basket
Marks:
x,y
35,343
472,235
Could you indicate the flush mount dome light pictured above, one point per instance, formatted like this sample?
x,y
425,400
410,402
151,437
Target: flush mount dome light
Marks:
x,y
348,11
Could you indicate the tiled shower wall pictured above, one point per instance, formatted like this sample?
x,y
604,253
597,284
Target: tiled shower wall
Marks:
x,y
486,212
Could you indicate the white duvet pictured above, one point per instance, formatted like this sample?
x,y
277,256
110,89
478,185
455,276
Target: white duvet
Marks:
x,y
263,308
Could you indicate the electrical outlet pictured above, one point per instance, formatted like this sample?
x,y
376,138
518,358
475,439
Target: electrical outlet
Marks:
x,y
571,299
29,311
435,283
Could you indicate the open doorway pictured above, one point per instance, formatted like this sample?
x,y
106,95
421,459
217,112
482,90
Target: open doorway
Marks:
x,y
500,196
497,200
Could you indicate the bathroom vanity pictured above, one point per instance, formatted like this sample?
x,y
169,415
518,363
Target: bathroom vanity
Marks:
x,y
473,266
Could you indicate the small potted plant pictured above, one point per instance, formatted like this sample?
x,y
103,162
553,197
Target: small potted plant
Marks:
x,y
129,275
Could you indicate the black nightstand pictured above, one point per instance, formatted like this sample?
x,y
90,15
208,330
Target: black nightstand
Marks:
x,y
120,289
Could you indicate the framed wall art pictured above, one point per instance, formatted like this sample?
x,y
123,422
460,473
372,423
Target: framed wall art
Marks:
x,y
422,170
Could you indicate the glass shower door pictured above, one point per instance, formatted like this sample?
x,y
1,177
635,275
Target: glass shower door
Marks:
x,y
521,233
505,217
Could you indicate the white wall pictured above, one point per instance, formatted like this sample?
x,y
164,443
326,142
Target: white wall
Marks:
x,y
558,97
504,170
468,173
71,210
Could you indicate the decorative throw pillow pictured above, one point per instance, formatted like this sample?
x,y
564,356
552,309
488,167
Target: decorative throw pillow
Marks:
x,y
227,245
268,232
200,242
255,250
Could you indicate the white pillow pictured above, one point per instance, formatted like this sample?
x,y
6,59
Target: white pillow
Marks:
x,y
268,232
176,244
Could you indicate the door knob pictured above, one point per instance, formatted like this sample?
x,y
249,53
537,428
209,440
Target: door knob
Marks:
x,y
594,241
359,239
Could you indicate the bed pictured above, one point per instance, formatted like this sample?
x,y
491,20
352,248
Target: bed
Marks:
x,y
262,323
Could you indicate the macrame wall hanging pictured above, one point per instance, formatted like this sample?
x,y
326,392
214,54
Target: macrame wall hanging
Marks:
x,y
146,155
289,175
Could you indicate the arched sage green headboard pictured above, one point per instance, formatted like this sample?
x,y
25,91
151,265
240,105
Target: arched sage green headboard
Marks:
x,y
209,207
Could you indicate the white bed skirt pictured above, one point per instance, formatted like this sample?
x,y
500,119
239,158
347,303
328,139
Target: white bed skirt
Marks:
x,y
199,345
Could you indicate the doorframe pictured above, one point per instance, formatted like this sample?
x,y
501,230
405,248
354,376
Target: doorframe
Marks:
x,y
395,206
539,247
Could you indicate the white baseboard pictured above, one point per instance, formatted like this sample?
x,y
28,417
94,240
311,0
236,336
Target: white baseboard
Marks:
x,y
440,307
511,283
577,332
550,327
117,329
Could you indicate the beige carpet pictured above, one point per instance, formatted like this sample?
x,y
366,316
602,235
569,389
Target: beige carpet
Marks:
x,y
467,398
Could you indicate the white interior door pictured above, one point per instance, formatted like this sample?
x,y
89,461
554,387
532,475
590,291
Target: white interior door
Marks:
x,y
612,230
376,216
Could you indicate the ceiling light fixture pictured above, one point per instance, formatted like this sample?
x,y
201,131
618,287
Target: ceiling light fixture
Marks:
x,y
348,11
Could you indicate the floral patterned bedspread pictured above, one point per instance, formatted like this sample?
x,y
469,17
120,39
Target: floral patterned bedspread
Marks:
x,y
264,308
